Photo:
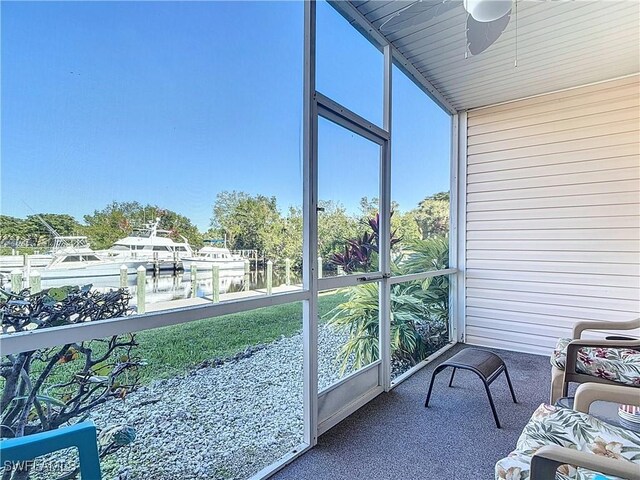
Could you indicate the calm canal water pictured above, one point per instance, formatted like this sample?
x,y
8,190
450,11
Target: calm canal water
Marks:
x,y
168,286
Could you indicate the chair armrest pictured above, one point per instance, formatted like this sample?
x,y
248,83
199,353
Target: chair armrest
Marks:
x,y
587,393
580,327
575,345
81,435
547,459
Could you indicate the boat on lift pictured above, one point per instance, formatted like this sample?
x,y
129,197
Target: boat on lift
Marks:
x,y
211,255
151,244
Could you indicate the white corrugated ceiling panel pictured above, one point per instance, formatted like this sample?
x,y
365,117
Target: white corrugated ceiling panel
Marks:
x,y
559,44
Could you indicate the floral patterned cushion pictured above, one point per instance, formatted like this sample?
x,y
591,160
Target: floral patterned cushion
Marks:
x,y
621,365
568,428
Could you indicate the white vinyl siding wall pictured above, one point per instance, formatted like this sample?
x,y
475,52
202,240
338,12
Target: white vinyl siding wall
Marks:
x,y
553,215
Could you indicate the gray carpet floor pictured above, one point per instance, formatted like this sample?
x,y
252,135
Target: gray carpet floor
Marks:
x,y
395,437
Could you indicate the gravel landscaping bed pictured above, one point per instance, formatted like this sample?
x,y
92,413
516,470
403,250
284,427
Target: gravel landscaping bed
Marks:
x,y
225,420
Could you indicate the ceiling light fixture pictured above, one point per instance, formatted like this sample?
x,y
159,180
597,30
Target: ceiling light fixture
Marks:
x,y
487,10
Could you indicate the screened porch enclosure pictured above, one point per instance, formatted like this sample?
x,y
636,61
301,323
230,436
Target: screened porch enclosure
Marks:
x,y
409,199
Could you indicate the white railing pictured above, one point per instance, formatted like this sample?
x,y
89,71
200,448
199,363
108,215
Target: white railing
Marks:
x,y
14,343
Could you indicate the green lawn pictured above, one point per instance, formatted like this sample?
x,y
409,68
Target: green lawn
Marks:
x,y
170,351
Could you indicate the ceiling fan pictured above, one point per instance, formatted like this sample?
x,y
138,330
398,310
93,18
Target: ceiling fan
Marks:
x,y
486,19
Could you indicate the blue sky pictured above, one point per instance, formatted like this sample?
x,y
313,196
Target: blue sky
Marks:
x,y
172,102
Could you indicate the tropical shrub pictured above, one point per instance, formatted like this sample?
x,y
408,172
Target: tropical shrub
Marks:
x,y
419,311
361,253
359,316
47,388
424,255
435,295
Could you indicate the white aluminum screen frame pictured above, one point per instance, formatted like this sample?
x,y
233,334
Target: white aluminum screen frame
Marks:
x,y
25,341
348,394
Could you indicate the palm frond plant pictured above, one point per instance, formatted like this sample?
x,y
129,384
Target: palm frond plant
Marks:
x,y
359,316
419,311
436,293
408,312
425,255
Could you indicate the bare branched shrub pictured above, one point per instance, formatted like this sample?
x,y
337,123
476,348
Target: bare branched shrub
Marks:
x,y
48,388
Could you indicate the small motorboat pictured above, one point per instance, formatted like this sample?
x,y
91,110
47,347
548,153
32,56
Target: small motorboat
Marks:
x,y
209,256
73,258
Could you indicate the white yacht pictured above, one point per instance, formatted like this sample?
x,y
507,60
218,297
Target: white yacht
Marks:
x,y
151,244
73,258
209,256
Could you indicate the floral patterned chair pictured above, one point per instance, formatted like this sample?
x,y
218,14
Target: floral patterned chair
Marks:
x,y
609,361
570,444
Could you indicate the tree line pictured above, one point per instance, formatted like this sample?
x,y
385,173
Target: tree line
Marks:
x,y
243,220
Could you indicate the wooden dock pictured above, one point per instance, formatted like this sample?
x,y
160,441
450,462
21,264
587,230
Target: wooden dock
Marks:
x,y
224,297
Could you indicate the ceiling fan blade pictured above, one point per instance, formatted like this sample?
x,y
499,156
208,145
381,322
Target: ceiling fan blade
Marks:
x,y
420,11
481,35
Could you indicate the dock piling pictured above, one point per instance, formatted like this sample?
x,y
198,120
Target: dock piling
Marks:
x,y
141,272
246,275
123,275
194,286
215,283
287,271
16,280
269,277
35,281
27,269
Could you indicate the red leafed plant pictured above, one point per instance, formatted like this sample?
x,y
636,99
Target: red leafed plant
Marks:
x,y
360,252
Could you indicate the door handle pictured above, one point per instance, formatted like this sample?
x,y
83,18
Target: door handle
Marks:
x,y
373,278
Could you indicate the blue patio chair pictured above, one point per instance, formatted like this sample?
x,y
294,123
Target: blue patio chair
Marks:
x,y
81,435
